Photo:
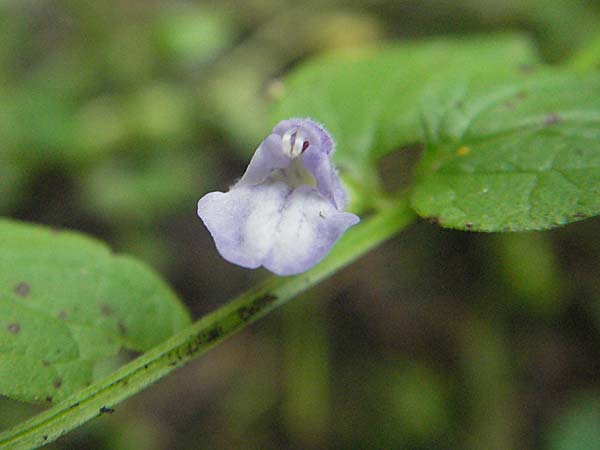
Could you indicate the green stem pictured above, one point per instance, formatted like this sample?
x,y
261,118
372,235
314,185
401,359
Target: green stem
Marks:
x,y
199,337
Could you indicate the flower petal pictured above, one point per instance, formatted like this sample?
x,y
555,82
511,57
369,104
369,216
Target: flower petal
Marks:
x,y
286,212
243,221
308,228
328,181
267,157
317,158
286,231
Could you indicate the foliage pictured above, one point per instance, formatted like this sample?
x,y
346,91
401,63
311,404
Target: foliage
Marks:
x,y
115,123
368,98
69,303
511,156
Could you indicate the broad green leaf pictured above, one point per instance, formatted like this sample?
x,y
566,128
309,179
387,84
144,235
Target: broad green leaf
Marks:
x,y
369,99
519,155
203,335
66,302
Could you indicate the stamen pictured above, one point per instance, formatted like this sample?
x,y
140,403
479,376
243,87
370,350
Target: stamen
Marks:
x,y
293,143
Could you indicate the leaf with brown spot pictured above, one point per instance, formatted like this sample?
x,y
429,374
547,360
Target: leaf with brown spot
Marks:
x,y
533,167
22,289
83,304
14,328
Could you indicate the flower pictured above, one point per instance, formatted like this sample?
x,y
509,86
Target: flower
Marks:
x,y
287,211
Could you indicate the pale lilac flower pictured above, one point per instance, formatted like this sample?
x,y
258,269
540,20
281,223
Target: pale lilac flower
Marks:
x,y
287,211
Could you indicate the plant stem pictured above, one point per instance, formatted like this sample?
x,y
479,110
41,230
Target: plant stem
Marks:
x,y
199,337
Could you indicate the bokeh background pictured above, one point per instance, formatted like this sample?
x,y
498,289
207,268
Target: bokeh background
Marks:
x,y
117,115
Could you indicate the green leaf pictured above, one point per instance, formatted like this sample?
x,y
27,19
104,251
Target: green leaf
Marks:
x,y
369,99
511,156
204,334
66,302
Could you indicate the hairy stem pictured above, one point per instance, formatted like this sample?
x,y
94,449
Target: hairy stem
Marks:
x,y
199,337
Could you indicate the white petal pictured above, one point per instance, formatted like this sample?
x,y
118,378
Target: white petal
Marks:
x,y
308,228
243,221
268,224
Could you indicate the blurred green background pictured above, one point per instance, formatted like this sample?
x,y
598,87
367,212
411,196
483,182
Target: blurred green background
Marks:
x,y
117,116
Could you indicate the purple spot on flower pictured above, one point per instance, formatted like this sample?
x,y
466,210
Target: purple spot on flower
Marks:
x,y
287,210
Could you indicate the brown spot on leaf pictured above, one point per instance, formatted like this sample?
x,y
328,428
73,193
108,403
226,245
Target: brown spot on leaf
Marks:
x,y
469,226
22,289
14,328
57,383
512,103
63,315
525,69
106,310
122,327
551,119
49,399
509,104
